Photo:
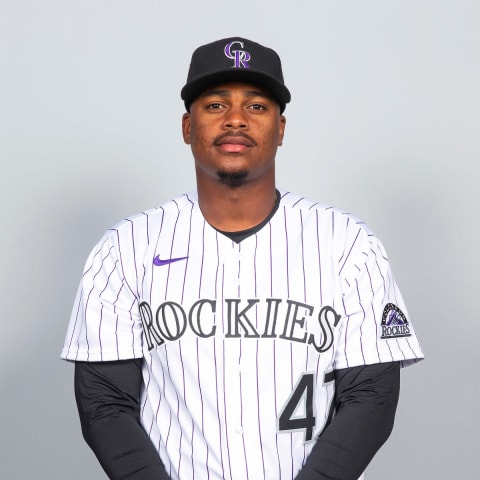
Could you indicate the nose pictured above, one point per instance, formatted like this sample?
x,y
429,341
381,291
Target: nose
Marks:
x,y
236,118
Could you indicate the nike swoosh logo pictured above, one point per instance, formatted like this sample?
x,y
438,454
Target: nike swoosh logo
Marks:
x,y
159,262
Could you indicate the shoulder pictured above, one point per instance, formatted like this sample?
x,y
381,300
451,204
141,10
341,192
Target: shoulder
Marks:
x,y
152,219
350,240
137,232
338,218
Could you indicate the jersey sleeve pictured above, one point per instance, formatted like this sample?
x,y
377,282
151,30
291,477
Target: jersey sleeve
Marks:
x,y
376,327
105,324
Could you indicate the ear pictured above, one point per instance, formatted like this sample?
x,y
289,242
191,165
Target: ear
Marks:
x,y
186,127
281,130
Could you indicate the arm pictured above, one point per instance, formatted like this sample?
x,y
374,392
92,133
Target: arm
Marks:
x,y
107,395
365,402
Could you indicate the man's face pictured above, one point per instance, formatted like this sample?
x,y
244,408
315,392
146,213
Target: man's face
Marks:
x,y
234,130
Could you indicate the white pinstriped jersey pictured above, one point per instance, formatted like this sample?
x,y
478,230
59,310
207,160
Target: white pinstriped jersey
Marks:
x,y
239,339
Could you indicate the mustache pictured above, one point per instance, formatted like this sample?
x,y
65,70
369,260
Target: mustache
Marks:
x,y
220,137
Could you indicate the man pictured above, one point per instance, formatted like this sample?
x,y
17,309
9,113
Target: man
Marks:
x,y
238,331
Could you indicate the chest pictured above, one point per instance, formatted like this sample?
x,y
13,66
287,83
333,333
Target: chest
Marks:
x,y
277,284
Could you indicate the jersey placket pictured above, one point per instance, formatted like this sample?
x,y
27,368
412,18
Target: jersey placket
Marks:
x,y
235,295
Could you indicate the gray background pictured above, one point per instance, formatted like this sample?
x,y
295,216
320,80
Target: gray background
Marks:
x,y
384,123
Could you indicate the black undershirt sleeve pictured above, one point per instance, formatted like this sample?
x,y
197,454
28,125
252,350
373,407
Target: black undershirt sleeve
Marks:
x,y
365,402
107,395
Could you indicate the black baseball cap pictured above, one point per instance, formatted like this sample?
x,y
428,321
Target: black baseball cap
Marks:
x,y
235,59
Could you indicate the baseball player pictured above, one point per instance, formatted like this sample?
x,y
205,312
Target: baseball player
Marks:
x,y
239,331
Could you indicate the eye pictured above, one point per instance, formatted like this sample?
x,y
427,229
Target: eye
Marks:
x,y
214,106
257,107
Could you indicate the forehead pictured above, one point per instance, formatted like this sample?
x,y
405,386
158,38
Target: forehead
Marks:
x,y
229,89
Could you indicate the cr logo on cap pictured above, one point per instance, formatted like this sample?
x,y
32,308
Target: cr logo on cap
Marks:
x,y
240,57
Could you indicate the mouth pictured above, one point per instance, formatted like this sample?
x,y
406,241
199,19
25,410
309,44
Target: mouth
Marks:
x,y
234,143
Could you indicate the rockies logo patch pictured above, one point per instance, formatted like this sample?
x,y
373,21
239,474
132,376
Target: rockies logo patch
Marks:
x,y
394,322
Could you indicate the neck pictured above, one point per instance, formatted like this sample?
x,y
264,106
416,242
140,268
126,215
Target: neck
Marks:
x,y
232,209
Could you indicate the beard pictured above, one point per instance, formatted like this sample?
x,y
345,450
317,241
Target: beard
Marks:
x,y
232,179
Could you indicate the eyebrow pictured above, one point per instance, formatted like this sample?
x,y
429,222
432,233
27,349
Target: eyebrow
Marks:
x,y
226,93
